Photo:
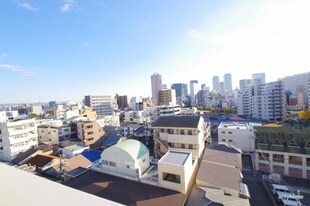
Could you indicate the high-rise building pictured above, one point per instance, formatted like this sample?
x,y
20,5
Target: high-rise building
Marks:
x,y
268,103
102,105
202,97
193,90
294,82
222,88
17,137
227,83
216,83
180,89
156,86
123,101
167,97
244,83
259,76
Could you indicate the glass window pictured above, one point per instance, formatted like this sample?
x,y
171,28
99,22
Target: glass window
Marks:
x,y
182,131
223,132
230,132
190,132
190,146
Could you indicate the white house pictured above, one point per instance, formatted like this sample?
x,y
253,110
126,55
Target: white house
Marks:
x,y
179,133
17,137
129,158
73,150
238,134
175,170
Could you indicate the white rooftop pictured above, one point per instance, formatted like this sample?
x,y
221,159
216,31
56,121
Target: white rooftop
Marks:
x,y
241,126
174,157
18,188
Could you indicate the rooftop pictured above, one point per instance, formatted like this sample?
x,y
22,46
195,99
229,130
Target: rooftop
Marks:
x,y
234,125
75,147
20,188
23,156
177,121
220,157
173,157
134,148
125,191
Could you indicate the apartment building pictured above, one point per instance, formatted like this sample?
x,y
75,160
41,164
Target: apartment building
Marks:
x,y
54,134
283,150
240,135
17,137
167,97
263,101
102,105
89,132
179,133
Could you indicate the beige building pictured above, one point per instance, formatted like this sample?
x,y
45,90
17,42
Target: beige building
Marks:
x,y
54,134
88,113
167,97
179,133
89,132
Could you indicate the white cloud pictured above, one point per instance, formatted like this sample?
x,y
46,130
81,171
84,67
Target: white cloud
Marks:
x,y
28,6
68,6
194,32
17,69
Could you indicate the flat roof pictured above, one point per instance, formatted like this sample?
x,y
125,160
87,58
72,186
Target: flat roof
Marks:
x,y
125,191
22,188
241,126
174,157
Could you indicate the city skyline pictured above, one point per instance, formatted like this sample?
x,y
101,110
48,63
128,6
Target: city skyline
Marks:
x,y
66,49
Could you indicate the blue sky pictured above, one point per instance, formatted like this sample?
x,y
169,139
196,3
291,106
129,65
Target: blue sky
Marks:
x,y
65,49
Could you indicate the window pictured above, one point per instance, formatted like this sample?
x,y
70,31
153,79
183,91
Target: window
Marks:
x,y
169,131
190,132
230,140
295,160
263,156
1,148
183,146
278,158
223,132
128,166
171,177
230,132
223,140
162,130
42,131
112,164
143,160
190,146
182,131
104,162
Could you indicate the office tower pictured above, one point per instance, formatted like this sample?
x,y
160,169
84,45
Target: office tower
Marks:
x,y
227,83
244,83
193,91
166,97
296,82
156,86
216,83
102,105
222,88
260,77
180,89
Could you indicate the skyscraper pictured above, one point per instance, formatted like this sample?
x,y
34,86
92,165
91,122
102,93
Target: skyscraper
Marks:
x,y
156,86
192,90
180,89
260,77
244,83
216,83
227,82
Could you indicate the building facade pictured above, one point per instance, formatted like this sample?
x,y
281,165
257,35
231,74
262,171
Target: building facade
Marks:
x,y
156,83
283,150
216,83
244,83
166,97
17,137
295,82
179,133
89,132
227,83
102,105
260,77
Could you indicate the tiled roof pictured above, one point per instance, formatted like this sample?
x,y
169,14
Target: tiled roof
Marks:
x,y
40,160
73,163
125,191
225,148
92,155
177,121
